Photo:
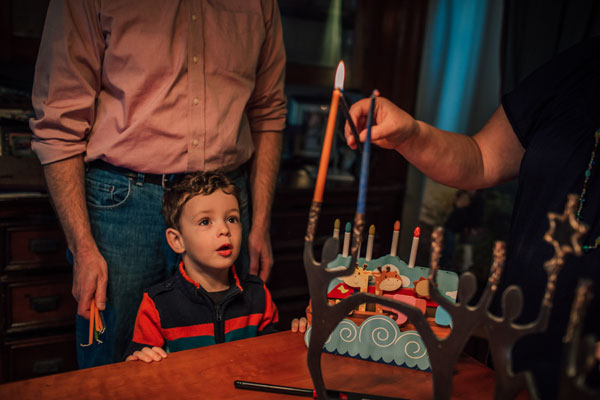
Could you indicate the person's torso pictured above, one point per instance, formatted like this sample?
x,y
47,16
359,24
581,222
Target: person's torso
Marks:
x,y
558,135
176,78
189,318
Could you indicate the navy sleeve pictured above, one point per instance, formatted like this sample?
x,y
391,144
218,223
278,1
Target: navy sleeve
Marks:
x,y
537,100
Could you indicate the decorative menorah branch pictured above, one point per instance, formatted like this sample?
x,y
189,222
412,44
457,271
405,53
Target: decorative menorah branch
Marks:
x,y
579,350
444,353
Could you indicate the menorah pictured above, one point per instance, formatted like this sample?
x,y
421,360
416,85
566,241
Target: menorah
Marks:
x,y
564,235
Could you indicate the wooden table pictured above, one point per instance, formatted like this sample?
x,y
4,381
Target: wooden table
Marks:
x,y
209,372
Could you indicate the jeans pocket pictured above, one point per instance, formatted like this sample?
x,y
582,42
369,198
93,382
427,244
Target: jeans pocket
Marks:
x,y
107,193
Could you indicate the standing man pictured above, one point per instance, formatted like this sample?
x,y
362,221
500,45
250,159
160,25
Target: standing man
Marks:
x,y
129,94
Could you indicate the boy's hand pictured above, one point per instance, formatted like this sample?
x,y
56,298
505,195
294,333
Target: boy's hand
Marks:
x,y
148,354
299,325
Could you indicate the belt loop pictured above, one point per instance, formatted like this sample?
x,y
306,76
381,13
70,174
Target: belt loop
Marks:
x,y
164,180
140,179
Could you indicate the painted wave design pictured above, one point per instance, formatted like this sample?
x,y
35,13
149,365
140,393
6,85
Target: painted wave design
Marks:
x,y
379,339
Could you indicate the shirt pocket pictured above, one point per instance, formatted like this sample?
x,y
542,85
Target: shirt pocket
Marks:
x,y
233,42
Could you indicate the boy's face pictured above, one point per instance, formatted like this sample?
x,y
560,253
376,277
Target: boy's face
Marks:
x,y
210,233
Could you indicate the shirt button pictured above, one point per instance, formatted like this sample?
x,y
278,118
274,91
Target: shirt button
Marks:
x,y
195,60
196,101
194,17
195,142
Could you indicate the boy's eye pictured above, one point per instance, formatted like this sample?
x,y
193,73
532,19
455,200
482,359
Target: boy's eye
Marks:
x,y
204,221
233,220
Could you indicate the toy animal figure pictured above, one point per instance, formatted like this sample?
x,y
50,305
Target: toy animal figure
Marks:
x,y
388,280
359,279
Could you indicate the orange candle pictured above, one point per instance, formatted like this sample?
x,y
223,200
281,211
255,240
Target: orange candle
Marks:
x,y
92,317
326,151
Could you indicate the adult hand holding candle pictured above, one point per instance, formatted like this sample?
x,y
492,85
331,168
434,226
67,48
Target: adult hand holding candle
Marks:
x,y
413,250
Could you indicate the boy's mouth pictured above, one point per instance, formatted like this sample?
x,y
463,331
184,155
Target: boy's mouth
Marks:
x,y
224,250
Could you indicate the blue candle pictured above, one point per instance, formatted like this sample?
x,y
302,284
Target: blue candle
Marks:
x,y
364,166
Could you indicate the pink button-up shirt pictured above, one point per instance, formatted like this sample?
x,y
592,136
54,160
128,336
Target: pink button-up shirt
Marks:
x,y
158,86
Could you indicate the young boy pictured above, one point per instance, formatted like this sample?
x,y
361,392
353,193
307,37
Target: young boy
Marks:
x,y
205,302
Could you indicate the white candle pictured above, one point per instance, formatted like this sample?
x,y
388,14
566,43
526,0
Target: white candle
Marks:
x,y
370,240
413,250
336,228
346,251
395,236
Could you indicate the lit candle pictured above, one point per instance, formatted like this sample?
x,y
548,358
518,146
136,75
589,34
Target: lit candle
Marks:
x,y
326,151
413,250
346,251
364,166
336,228
395,236
370,240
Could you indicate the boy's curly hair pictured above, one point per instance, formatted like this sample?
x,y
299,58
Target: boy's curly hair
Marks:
x,y
200,183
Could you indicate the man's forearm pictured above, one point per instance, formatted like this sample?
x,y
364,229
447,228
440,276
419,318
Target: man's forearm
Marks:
x,y
492,156
66,184
263,176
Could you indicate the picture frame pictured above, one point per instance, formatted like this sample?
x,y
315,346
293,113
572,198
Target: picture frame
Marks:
x,y
312,122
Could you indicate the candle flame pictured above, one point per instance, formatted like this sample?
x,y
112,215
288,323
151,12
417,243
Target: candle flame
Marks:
x,y
417,232
397,225
339,76
336,223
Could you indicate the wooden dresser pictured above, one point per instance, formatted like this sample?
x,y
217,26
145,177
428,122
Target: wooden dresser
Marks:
x,y
37,309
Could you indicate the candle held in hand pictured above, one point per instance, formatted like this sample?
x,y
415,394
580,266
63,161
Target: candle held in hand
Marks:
x,y
326,151
366,155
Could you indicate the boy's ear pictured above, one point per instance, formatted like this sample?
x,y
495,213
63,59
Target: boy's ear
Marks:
x,y
175,240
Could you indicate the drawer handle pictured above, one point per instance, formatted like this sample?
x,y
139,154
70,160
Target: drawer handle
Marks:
x,y
44,246
45,367
45,303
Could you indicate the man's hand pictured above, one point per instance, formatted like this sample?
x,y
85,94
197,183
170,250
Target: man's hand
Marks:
x,y
148,354
90,276
261,254
391,125
263,175
66,184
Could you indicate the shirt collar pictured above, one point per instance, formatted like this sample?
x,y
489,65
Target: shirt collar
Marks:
x,y
197,285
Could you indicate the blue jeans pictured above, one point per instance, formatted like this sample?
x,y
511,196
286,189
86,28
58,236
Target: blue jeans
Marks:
x,y
128,226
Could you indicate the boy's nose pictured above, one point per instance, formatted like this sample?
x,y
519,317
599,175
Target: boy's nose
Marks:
x,y
224,229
